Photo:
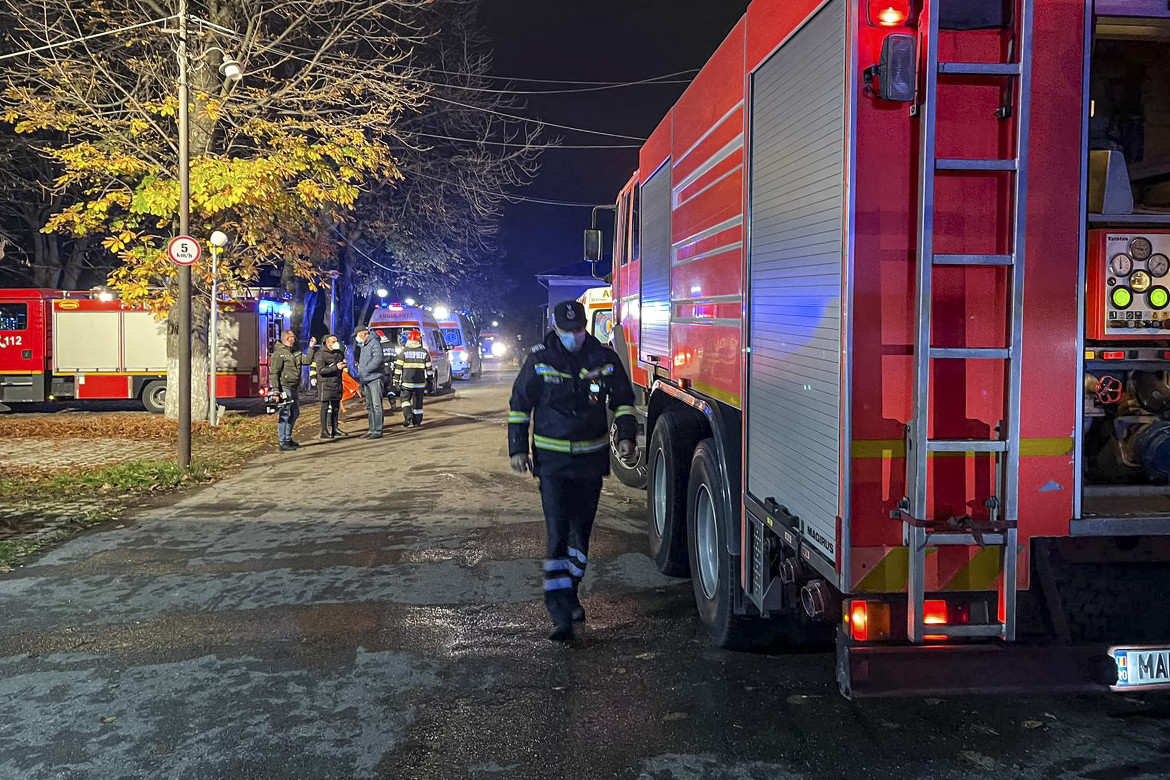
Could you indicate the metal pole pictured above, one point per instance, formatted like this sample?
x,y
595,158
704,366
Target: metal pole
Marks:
x,y
333,306
184,270
213,405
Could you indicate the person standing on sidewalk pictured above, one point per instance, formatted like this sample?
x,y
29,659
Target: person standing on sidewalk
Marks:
x,y
284,371
371,368
330,363
563,389
410,377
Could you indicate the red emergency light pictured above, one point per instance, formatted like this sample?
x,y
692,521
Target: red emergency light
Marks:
x,y
889,13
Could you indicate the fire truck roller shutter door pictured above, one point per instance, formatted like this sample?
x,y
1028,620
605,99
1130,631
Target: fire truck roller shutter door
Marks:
x,y
795,269
656,255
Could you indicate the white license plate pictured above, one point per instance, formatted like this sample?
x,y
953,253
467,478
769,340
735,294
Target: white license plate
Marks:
x,y
1141,668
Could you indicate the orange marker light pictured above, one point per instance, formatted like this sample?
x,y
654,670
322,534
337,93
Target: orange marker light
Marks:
x,y
889,13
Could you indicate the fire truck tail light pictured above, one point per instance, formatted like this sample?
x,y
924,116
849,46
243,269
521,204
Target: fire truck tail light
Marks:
x,y
1113,355
868,621
934,612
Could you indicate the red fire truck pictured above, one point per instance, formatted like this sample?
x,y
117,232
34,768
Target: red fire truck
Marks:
x,y
891,281
89,345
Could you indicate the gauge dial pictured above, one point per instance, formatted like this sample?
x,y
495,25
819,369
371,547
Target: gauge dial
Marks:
x,y
1158,265
1140,281
1158,297
1121,264
1121,297
1140,248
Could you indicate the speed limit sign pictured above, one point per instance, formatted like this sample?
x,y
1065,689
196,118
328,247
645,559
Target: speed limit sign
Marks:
x,y
184,250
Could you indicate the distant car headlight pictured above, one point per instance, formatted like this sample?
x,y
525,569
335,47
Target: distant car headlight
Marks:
x,y
498,349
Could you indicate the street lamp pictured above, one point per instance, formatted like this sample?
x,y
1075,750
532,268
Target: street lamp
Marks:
x,y
442,312
232,73
218,240
409,301
495,323
382,293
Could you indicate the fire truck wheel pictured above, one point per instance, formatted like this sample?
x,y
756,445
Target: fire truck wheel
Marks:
x,y
714,575
668,464
154,396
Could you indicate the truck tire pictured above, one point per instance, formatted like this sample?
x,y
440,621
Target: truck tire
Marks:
x,y
154,396
669,462
714,575
635,475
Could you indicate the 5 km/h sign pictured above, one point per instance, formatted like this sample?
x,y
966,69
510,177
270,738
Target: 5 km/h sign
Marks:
x,y
184,250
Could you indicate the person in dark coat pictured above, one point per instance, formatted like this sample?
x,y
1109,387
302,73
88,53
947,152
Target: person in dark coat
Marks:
x,y
371,366
562,391
330,364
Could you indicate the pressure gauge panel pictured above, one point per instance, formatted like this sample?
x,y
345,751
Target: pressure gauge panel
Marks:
x,y
1128,280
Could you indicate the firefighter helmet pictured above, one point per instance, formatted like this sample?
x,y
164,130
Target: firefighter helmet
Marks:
x,y
414,335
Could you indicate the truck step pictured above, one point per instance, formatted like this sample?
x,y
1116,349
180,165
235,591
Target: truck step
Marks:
x,y
979,68
967,632
964,540
970,353
966,445
964,164
975,260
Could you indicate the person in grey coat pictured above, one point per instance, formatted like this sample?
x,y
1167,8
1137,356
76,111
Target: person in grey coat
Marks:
x,y
371,369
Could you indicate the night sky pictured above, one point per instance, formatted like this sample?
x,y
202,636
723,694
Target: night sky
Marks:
x,y
599,40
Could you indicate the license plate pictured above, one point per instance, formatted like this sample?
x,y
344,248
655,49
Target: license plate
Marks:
x,y
1141,668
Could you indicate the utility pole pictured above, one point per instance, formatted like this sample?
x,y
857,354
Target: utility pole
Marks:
x,y
184,270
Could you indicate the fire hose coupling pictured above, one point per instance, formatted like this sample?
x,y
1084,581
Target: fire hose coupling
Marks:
x,y
1109,390
819,600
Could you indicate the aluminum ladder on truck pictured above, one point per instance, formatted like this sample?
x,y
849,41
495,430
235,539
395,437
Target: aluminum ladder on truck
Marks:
x,y
920,531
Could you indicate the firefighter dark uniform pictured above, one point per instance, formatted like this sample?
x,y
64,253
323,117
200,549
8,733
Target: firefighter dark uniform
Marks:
x,y
410,376
564,394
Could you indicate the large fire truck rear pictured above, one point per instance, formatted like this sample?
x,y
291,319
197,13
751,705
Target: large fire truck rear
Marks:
x,y
891,281
90,346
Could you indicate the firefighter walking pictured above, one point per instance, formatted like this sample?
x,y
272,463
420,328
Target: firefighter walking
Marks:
x,y
563,389
410,377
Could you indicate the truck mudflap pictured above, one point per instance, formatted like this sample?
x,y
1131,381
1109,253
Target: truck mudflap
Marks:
x,y
865,671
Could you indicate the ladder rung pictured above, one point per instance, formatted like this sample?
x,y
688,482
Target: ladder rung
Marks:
x,y
944,539
980,68
966,445
972,353
951,259
965,631
963,164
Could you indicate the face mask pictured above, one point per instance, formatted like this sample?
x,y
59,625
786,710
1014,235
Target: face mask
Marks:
x,y
334,347
572,340
361,340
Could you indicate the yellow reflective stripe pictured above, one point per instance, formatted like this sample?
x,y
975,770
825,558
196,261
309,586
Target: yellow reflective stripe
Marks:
x,y
519,417
554,445
413,365
623,411
544,369
569,447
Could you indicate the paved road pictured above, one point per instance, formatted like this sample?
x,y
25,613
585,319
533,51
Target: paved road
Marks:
x,y
371,610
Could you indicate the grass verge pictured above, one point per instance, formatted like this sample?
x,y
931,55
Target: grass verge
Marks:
x,y
91,496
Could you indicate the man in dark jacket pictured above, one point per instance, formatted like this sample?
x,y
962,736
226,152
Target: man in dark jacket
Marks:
x,y
330,363
371,371
410,376
284,372
563,388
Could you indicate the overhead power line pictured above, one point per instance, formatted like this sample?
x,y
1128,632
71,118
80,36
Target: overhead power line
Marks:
x,y
515,145
535,121
506,196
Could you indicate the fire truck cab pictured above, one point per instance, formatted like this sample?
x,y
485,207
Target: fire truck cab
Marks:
x,y
56,344
891,282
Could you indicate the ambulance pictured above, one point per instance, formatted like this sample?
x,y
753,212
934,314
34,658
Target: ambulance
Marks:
x,y
392,323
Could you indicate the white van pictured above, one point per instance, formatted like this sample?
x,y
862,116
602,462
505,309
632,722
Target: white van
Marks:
x,y
462,346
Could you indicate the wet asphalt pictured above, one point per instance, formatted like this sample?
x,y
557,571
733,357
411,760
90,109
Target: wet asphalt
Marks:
x,y
371,609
